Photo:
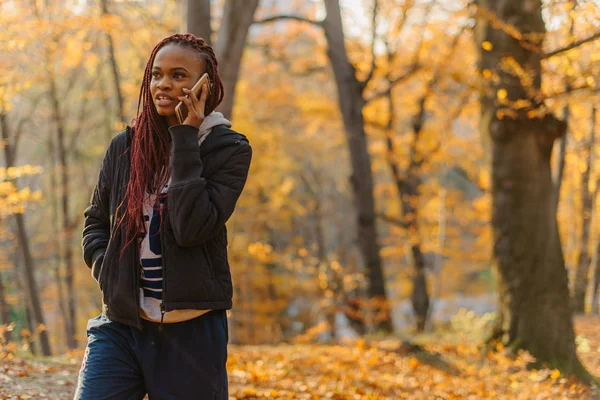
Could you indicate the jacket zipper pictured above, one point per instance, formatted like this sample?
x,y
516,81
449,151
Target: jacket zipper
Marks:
x,y
163,308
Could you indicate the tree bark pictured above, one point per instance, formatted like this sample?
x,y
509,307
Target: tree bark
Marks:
x,y
4,310
534,310
67,226
583,258
55,239
229,46
351,103
195,18
562,150
114,67
333,293
24,247
408,196
596,281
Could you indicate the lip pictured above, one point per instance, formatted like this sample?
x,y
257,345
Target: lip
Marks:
x,y
164,100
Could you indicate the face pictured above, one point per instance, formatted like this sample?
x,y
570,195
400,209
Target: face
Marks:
x,y
174,69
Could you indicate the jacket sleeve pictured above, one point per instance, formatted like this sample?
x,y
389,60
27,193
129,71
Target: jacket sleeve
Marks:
x,y
198,207
96,231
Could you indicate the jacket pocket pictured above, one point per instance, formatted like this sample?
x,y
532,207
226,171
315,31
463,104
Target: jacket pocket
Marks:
x,y
98,260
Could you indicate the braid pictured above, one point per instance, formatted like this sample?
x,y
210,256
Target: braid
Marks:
x,y
150,166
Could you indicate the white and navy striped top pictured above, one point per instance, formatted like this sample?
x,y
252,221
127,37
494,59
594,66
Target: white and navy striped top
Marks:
x,y
151,279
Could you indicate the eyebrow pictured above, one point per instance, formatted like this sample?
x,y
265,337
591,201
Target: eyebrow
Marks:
x,y
172,69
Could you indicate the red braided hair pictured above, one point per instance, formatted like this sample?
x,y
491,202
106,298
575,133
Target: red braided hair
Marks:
x,y
150,146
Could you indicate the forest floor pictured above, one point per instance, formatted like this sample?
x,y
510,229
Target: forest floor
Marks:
x,y
450,365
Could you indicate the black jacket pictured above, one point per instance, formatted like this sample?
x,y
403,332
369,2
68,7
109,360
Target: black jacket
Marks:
x,y
206,183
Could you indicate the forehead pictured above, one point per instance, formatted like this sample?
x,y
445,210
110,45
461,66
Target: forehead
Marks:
x,y
173,56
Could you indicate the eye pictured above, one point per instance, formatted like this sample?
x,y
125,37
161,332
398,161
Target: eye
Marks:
x,y
155,74
179,75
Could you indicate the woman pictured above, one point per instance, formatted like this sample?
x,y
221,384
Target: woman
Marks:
x,y
155,238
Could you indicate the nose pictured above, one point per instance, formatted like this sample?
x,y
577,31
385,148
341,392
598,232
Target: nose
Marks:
x,y
164,83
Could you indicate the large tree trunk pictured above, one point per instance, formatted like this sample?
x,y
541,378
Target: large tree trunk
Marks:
x,y
229,46
195,18
114,67
534,311
23,241
583,258
351,103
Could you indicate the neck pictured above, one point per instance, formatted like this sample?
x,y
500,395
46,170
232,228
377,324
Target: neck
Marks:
x,y
172,120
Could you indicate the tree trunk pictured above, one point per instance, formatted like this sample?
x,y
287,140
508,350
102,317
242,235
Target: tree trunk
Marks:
x,y
408,196
114,67
408,191
332,292
56,245
583,258
66,219
229,46
195,18
562,155
34,308
23,241
4,311
351,103
534,311
562,150
596,281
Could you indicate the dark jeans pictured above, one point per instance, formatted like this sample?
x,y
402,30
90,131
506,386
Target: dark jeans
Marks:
x,y
184,360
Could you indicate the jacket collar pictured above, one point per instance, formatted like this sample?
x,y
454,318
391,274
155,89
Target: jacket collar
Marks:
x,y
219,136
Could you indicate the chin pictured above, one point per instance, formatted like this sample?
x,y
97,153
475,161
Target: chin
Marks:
x,y
164,112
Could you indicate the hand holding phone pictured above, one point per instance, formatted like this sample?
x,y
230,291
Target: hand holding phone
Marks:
x,y
182,109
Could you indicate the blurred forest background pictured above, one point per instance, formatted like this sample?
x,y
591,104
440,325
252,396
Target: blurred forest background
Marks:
x,y
409,159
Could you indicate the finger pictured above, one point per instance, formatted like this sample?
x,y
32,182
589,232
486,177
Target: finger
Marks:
x,y
203,97
192,96
204,93
186,100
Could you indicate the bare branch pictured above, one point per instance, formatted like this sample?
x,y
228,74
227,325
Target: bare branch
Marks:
x,y
398,25
288,17
21,123
285,63
375,125
571,46
373,39
571,89
392,220
413,69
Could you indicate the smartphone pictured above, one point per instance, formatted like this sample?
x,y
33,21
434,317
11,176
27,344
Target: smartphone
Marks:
x,y
181,110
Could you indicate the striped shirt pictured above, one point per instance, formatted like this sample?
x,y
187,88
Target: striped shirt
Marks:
x,y
151,278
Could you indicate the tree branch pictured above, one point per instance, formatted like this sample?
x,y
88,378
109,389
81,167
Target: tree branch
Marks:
x,y
393,82
21,123
571,46
373,38
392,220
288,17
270,54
